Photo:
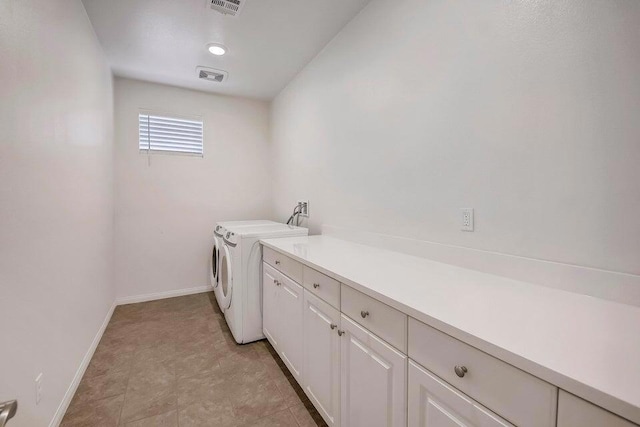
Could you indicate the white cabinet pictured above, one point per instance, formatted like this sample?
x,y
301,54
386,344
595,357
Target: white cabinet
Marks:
x,y
282,317
291,304
348,351
374,379
575,412
434,403
270,287
321,365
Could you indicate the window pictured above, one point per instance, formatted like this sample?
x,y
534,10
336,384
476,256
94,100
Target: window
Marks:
x,y
164,134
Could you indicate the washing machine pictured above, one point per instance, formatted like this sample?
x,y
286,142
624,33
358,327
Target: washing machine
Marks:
x,y
240,273
218,235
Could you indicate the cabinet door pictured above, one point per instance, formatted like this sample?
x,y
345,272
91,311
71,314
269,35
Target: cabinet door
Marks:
x,y
373,380
289,328
270,311
321,365
434,403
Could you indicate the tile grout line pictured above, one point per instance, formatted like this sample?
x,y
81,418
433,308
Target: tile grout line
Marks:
x,y
124,399
175,377
295,418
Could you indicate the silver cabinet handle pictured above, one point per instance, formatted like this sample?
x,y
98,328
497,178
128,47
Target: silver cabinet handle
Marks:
x,y
460,371
364,314
333,326
340,333
316,285
7,411
277,262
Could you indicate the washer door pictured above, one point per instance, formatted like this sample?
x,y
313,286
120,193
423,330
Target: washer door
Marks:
x,y
225,289
214,263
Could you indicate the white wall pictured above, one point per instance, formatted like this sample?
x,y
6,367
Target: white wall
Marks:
x,y
166,210
56,199
526,111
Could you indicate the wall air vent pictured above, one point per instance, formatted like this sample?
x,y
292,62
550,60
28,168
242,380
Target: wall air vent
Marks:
x,y
212,74
227,7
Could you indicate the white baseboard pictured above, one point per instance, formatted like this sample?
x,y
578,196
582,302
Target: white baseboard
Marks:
x,y
71,391
162,295
611,285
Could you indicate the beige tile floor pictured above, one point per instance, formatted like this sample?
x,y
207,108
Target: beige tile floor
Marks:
x,y
174,362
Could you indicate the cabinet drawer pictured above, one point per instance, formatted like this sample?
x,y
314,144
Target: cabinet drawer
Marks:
x,y
322,285
513,394
291,268
384,321
575,412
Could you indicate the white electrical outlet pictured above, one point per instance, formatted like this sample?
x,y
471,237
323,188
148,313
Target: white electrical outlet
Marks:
x,y
38,388
304,212
467,219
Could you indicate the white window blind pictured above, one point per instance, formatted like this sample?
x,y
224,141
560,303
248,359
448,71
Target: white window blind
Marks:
x,y
170,134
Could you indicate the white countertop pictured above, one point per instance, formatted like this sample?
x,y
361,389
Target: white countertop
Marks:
x,y
584,345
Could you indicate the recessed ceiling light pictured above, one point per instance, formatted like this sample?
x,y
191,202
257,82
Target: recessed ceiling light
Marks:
x,y
217,49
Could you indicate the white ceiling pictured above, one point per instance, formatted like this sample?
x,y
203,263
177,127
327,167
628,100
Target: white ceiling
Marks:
x,y
164,41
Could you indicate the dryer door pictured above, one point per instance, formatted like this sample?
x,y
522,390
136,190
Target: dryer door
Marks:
x,y
225,289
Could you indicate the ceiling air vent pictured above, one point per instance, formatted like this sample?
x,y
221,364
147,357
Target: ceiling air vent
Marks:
x,y
227,7
211,74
